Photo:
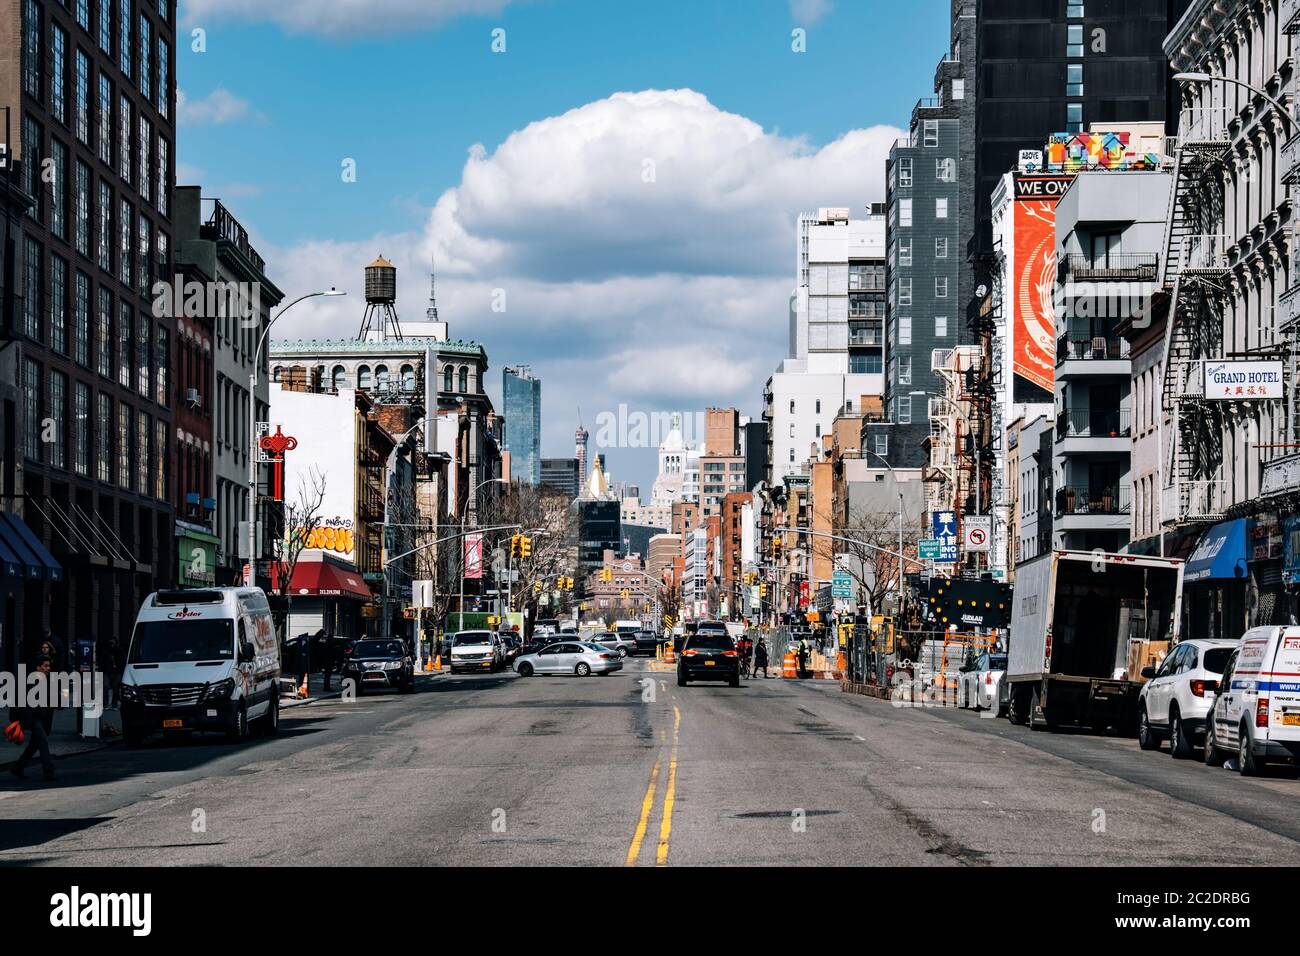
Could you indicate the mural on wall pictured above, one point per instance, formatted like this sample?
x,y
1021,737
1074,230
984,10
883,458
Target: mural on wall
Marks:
x,y
1033,310
1080,152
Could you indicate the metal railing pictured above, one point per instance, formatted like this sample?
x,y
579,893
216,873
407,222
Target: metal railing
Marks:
x,y
1094,499
1204,125
1075,347
1289,16
1116,267
227,227
1205,253
1093,423
1202,498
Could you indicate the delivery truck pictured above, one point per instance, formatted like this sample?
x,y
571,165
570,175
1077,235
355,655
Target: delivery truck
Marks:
x,y
1073,617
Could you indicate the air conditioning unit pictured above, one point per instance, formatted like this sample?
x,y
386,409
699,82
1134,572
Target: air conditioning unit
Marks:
x,y
193,397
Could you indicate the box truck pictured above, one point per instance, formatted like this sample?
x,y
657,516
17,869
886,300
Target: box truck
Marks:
x,y
1073,616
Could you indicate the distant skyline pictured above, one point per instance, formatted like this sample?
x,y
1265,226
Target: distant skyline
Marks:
x,y
611,199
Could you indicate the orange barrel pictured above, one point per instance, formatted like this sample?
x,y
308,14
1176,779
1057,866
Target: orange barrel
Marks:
x,y
789,666
670,657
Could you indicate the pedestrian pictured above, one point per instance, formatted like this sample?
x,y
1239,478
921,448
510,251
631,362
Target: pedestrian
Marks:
x,y
37,723
328,659
804,651
112,666
746,655
760,658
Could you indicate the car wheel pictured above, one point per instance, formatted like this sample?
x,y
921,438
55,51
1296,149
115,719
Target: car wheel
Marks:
x,y
1036,723
1180,745
734,682
134,739
239,730
622,652
271,722
1214,757
1016,707
681,679
583,669
525,669
1147,738
1246,760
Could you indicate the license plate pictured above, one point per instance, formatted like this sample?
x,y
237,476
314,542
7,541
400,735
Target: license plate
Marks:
x,y
487,663
1291,720
709,663
173,723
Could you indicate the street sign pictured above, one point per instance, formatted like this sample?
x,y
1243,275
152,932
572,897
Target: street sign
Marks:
x,y
976,532
944,527
928,549
842,584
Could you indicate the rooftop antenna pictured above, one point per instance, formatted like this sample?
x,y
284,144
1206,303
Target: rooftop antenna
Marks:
x,y
432,312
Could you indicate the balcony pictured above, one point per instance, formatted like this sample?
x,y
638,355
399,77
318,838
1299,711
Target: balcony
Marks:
x,y
1289,16
1081,354
1093,500
222,225
1290,161
1117,267
1092,423
1288,307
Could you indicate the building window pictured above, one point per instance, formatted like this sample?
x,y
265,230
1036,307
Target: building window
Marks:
x,y
59,189
904,409
59,419
143,259
905,172
146,154
881,443
904,252
58,54
930,133
142,463
905,290
81,322
904,330
164,67
792,455
33,140
163,170
958,89
464,379
104,437
940,326
125,221
1074,117
81,235
1074,79
105,227
32,293
945,170
408,378
941,248
904,213
59,304
162,464
124,36
105,107
364,378
905,370
381,377
146,62
792,406
81,430
124,119
162,351
1074,40
124,345
106,26
941,209
104,334
83,14
871,363
124,460
447,374
32,409
941,287
32,49
339,379
82,93
1074,8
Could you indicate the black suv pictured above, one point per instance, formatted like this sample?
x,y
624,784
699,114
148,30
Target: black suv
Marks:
x,y
647,642
380,664
708,655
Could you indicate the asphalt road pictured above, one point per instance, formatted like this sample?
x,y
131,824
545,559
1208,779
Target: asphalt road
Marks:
x,y
630,768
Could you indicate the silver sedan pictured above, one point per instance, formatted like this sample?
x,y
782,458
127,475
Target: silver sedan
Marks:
x,y
570,657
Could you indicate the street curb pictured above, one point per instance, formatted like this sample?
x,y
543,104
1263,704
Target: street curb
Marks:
x,y
104,745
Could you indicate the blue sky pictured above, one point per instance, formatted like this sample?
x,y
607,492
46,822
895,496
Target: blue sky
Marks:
x,y
613,282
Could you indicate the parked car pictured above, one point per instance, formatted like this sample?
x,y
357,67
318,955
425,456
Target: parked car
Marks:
x,y
476,651
709,654
570,657
647,642
1177,696
1257,710
617,641
981,683
379,665
511,645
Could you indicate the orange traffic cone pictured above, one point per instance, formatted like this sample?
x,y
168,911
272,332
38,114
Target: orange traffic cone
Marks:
x,y
302,690
437,662
670,656
788,666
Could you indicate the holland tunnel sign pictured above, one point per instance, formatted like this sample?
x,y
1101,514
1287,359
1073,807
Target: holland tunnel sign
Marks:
x,y
1243,381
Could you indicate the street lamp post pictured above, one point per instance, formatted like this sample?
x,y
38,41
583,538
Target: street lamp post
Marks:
x,y
390,495
250,576
460,607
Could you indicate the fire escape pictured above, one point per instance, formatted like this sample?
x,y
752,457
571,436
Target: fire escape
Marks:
x,y
1193,275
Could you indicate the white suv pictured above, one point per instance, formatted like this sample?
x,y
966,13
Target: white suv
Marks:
x,y
1176,699
1257,711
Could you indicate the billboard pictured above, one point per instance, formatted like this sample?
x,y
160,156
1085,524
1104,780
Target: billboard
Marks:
x,y
1243,381
322,468
1088,151
1032,322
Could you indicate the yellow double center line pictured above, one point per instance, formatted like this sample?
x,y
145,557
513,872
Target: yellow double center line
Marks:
x,y
647,805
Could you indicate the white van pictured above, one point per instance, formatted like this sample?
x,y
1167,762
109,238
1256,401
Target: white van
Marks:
x,y
1257,710
202,660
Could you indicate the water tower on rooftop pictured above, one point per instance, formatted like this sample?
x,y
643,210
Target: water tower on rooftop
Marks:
x,y
380,320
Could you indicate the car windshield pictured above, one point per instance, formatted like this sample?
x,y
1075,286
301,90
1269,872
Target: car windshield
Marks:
x,y
377,649
167,642
1216,659
998,662
468,638
710,640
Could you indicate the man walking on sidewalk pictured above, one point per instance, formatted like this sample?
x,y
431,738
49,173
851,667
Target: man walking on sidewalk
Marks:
x,y
37,723
760,657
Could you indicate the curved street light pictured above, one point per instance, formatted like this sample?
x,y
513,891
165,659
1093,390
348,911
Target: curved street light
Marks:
x,y
460,608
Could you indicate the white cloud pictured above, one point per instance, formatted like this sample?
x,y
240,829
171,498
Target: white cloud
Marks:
x,y
668,295
219,106
339,17
809,11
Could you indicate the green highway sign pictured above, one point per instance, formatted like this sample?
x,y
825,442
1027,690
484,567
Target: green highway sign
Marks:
x,y
928,549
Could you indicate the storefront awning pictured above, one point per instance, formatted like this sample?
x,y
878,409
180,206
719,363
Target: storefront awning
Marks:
x,y
323,579
21,542
1221,554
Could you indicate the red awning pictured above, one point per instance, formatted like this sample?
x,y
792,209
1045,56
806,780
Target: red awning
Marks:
x,y
322,579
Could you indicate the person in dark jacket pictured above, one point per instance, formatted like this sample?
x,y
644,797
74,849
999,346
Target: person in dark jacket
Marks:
x,y
804,651
760,657
37,723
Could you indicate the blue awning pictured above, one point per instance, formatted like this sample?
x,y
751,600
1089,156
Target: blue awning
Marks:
x,y
21,540
1221,554
10,564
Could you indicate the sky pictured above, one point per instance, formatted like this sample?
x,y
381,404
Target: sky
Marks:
x,y
609,189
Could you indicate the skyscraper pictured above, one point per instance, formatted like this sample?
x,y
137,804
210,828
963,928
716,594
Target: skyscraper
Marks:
x,y
522,397
580,451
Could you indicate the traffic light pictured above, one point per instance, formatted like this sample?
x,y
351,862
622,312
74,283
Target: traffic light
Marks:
x,y
624,594
525,546
776,547
762,590
514,545
537,587
493,620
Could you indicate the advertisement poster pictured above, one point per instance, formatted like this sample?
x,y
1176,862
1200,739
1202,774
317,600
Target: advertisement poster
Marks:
x,y
1033,313
473,556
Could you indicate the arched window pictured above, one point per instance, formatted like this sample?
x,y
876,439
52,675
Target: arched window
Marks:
x,y
381,376
464,378
363,377
275,374
408,378
340,377
446,378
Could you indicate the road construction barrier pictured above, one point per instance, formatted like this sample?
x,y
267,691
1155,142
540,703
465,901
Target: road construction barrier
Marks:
x,y
437,662
788,666
670,655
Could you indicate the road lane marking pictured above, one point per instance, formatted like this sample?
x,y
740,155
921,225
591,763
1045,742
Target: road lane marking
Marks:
x,y
646,806
670,795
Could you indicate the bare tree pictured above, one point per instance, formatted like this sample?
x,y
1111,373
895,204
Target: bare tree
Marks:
x,y
869,557
546,518
301,520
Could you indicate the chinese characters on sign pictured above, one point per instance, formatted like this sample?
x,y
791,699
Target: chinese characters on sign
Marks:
x,y
944,529
1229,381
